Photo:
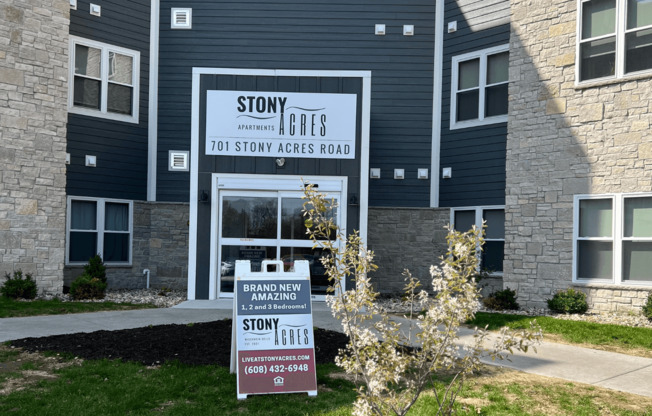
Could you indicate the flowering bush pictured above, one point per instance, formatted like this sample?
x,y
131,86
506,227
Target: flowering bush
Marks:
x,y
390,377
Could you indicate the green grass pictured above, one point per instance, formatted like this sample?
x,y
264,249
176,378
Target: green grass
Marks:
x,y
115,388
576,332
10,308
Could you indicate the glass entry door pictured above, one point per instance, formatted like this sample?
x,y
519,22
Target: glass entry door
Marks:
x,y
264,225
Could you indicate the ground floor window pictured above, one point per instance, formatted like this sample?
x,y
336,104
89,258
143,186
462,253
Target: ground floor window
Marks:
x,y
492,254
613,238
99,226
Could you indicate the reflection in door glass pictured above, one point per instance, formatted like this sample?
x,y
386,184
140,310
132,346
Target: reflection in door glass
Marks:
x,y
249,217
292,219
232,253
318,278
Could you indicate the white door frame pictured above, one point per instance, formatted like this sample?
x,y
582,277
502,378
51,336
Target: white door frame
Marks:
x,y
365,76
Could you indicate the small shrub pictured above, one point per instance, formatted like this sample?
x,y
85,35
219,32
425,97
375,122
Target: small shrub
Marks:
x,y
647,309
87,287
96,268
18,287
502,300
568,301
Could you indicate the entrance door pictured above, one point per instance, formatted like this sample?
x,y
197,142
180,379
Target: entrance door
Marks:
x,y
266,223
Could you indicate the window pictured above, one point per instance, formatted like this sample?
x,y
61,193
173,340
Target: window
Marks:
x,y
104,80
613,239
463,219
615,38
99,226
479,87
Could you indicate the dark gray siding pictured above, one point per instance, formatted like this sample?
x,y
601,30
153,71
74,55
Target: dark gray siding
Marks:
x,y
121,148
310,35
476,155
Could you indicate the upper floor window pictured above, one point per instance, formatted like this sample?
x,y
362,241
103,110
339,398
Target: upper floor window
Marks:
x,y
613,238
104,80
615,38
479,87
493,251
99,226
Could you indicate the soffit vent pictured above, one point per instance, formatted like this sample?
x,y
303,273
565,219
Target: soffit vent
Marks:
x,y
181,18
178,161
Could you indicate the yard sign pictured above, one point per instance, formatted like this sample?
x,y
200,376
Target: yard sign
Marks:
x,y
272,346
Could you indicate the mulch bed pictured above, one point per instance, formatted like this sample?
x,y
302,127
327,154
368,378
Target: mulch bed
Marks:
x,y
195,344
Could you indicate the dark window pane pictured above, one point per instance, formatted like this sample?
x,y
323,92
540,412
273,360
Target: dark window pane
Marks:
x,y
598,58
116,217
495,101
596,218
232,253
292,220
116,247
467,105
469,74
464,220
637,261
318,278
638,55
87,93
83,246
598,18
83,215
249,217
492,256
595,260
639,13
495,219
498,68
119,99
88,61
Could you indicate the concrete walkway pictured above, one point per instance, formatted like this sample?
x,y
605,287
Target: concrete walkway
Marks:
x,y
600,368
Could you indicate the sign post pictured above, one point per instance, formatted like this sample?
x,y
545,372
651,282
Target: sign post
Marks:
x,y
272,346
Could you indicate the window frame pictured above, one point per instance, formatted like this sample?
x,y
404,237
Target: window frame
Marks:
x,y
617,238
479,216
619,34
100,228
482,55
105,49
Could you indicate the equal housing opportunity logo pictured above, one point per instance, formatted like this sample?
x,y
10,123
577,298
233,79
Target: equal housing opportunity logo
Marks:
x,y
272,124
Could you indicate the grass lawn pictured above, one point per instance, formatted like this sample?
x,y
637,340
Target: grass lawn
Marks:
x,y
35,384
11,308
637,341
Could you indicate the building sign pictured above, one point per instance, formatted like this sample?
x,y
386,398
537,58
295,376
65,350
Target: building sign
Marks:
x,y
273,341
280,124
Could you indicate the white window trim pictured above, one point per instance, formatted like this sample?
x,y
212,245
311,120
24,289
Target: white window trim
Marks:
x,y
621,23
616,237
478,222
481,120
105,49
99,225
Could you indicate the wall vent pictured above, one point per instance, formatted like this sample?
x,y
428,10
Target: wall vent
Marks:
x,y
96,10
178,160
73,4
181,18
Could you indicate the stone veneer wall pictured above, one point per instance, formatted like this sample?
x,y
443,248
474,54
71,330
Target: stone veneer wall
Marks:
x,y
412,238
33,116
565,140
160,244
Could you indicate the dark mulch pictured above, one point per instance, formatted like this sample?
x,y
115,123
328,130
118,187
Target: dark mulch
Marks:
x,y
196,344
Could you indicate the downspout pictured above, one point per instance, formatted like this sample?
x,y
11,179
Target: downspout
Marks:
x,y
152,126
436,102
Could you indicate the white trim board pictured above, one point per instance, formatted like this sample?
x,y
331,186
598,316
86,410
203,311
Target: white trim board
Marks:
x,y
194,149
